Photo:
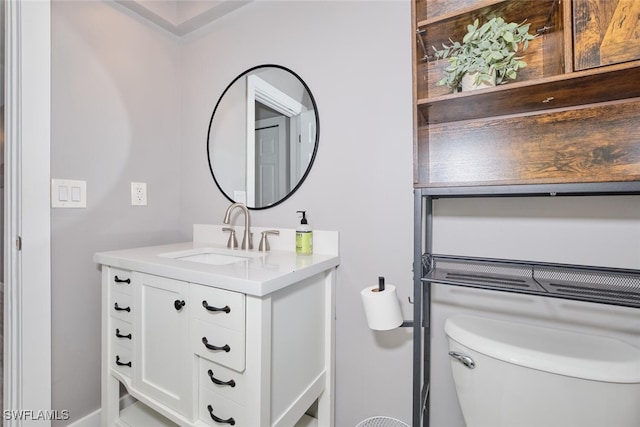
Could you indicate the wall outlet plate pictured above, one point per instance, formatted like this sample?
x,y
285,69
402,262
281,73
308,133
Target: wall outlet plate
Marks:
x,y
138,194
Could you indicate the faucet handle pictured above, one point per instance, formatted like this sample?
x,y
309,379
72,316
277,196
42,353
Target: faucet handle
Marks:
x,y
264,242
232,243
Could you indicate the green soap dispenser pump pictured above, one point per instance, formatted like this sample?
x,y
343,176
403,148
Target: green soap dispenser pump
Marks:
x,y
304,236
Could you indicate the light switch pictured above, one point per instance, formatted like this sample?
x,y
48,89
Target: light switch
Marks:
x,y
63,193
67,193
76,194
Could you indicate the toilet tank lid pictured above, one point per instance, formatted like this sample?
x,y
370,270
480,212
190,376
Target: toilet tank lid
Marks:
x,y
557,351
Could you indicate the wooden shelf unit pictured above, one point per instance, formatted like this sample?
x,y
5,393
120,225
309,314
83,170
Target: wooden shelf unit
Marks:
x,y
594,111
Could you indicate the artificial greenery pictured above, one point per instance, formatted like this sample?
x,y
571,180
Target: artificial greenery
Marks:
x,y
487,50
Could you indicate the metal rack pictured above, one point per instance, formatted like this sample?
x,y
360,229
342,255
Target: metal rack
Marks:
x,y
583,283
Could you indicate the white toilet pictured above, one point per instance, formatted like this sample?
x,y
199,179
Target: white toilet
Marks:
x,y
517,375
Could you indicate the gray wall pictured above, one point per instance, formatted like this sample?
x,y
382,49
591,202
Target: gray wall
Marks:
x,y
118,118
131,103
115,110
356,59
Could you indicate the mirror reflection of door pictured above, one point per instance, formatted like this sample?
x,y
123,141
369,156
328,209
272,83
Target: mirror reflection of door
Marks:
x,y
275,129
272,179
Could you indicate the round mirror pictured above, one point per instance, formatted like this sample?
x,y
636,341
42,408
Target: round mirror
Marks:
x,y
263,136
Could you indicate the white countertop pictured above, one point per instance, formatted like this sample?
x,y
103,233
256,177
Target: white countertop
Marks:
x,y
261,275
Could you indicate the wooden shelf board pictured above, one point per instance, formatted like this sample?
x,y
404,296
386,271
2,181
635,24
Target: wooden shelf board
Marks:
x,y
462,11
473,189
603,84
453,25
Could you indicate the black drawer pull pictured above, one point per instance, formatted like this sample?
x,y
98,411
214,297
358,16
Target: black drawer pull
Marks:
x,y
119,363
220,420
178,304
119,335
225,347
118,280
230,383
117,308
226,308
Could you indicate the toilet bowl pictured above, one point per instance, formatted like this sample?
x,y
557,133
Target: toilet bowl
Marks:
x,y
517,375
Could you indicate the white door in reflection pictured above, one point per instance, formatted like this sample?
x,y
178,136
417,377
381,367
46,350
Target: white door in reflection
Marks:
x,y
271,160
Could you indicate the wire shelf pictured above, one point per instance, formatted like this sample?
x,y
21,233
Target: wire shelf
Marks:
x,y
582,283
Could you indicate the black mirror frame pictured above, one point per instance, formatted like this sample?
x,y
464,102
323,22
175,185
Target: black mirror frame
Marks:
x,y
315,148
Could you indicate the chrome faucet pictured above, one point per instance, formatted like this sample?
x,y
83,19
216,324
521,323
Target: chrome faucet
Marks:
x,y
247,237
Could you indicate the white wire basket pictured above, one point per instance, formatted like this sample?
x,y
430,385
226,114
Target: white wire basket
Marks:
x,y
381,422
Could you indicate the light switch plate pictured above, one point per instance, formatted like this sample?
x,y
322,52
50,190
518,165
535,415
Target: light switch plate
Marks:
x,y
68,193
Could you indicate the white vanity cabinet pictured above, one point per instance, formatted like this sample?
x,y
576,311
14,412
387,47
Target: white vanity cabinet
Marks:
x,y
195,354
161,349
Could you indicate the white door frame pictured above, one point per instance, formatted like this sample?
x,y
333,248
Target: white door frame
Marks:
x,y
27,278
269,95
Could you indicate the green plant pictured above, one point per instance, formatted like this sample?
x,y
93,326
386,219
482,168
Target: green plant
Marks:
x,y
487,50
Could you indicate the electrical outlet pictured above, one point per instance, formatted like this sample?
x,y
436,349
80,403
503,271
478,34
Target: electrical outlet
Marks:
x,y
138,194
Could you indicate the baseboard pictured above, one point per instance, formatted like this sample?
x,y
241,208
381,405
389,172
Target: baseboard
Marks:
x,y
93,419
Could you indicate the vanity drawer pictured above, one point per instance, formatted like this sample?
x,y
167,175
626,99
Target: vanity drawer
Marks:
x,y
120,306
121,332
229,344
221,380
213,405
120,280
218,306
121,360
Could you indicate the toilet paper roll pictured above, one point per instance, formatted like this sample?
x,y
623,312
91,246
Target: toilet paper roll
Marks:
x,y
382,308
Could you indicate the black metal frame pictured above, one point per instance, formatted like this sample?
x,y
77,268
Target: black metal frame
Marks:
x,y
423,225
315,148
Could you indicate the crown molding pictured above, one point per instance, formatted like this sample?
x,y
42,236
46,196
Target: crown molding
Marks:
x,y
217,10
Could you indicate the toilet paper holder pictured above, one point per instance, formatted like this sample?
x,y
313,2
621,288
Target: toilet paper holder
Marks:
x,y
405,323
381,311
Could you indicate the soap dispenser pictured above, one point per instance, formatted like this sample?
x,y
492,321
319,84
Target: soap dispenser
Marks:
x,y
304,236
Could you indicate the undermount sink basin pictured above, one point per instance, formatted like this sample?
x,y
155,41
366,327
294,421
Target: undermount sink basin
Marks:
x,y
212,256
